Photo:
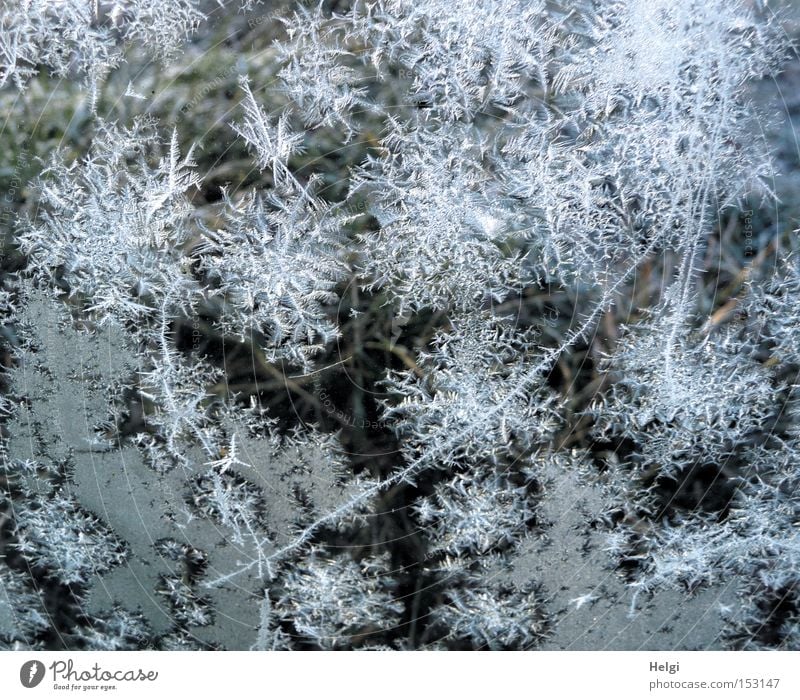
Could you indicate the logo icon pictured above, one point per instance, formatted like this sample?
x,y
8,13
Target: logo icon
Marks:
x,y
31,673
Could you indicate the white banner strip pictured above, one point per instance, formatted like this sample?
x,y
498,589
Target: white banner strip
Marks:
x,y
400,675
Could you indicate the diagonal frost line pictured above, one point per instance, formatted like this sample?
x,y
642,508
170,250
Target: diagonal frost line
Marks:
x,y
421,463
